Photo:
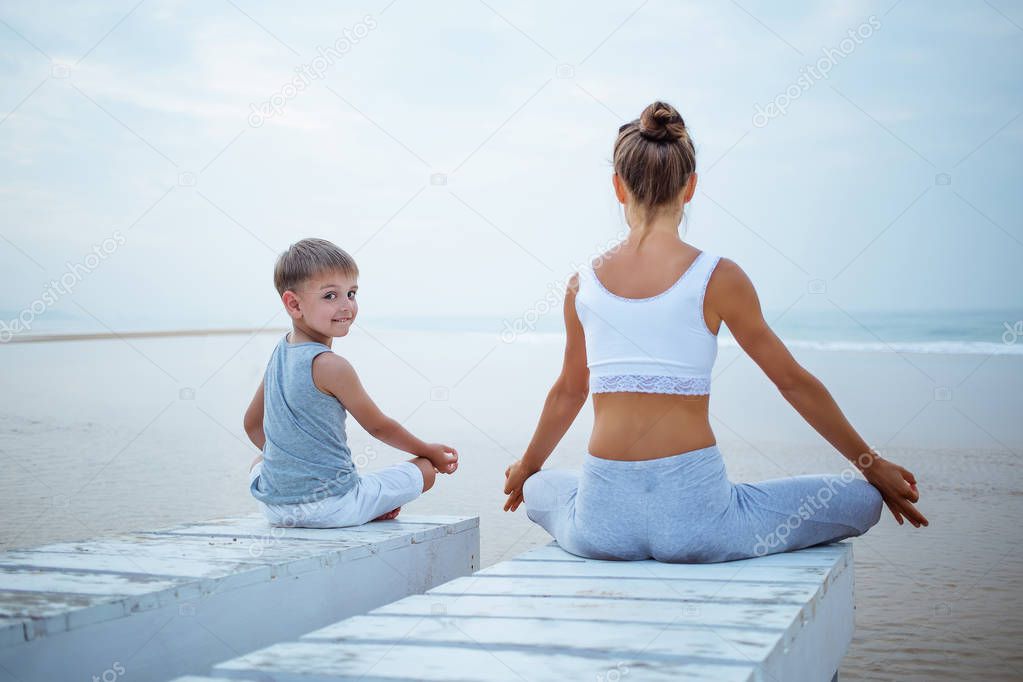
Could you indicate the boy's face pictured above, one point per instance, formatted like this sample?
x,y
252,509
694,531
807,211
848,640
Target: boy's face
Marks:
x,y
325,303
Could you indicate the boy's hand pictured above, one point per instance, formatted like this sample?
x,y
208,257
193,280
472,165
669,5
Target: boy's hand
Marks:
x,y
515,477
443,457
898,488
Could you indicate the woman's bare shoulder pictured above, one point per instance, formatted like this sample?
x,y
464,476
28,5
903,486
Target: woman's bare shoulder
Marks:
x,y
731,294
729,276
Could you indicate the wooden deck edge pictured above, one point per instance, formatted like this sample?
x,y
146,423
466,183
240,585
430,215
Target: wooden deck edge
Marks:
x,y
16,630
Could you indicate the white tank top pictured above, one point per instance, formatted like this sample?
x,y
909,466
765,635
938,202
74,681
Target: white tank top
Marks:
x,y
658,344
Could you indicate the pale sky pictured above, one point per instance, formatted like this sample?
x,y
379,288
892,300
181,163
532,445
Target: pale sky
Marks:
x,y
895,179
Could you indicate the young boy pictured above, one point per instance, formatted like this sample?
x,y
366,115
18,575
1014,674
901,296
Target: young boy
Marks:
x,y
305,476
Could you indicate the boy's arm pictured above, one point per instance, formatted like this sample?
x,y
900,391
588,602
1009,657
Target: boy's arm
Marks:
x,y
335,375
254,419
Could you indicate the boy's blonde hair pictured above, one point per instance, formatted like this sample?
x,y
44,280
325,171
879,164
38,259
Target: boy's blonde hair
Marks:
x,y
310,257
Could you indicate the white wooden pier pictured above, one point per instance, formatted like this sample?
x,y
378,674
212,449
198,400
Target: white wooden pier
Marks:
x,y
549,615
155,605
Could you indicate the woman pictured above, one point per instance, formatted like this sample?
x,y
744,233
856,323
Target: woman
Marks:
x,y
642,323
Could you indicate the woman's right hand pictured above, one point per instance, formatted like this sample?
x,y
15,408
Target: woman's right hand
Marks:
x,y
514,478
898,488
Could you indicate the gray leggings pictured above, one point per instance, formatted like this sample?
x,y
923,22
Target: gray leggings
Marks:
x,y
683,509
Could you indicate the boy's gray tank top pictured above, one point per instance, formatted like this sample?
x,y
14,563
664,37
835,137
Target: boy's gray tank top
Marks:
x,y
306,455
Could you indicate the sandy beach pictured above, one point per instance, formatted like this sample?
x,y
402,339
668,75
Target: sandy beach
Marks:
x,y
102,436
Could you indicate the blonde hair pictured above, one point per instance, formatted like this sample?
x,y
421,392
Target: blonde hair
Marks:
x,y
310,257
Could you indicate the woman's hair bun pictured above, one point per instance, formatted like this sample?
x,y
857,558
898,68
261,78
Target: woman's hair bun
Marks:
x,y
660,122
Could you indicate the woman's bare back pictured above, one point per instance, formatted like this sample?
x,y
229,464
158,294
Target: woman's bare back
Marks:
x,y
629,426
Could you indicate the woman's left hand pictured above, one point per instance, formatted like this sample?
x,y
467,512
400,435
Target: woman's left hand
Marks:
x,y
515,477
898,488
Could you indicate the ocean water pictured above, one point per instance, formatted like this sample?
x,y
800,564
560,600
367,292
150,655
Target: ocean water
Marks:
x,y
983,332
956,331
110,435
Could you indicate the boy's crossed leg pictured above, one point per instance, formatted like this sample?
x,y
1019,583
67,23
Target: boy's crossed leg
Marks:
x,y
429,477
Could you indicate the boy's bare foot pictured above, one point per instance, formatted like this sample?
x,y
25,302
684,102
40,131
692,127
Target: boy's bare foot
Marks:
x,y
389,515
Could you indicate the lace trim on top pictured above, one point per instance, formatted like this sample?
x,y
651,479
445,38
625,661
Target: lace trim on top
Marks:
x,y
642,383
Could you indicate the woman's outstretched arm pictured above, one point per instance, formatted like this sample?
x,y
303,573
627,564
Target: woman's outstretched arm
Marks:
x,y
565,399
735,299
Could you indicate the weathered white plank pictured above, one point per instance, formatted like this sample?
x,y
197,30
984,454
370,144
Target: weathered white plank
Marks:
x,y
666,642
584,610
183,597
52,581
121,563
422,527
456,523
26,613
627,570
254,530
466,660
550,615
297,556
657,589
